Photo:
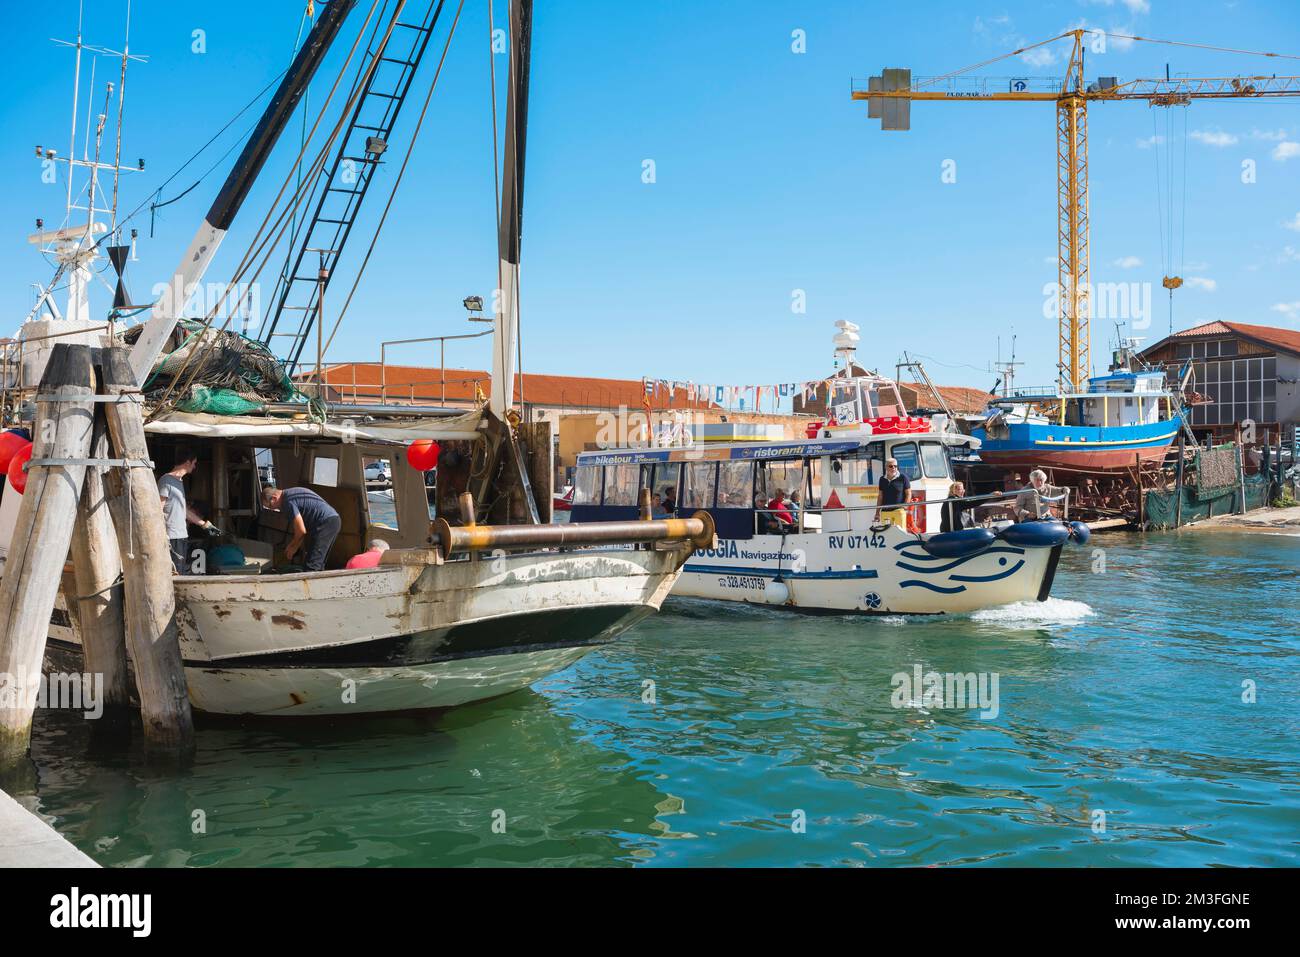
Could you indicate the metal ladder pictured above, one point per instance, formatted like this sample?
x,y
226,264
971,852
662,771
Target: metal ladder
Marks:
x,y
360,152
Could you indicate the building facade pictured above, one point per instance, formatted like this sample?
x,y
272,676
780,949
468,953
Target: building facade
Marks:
x,y
1242,375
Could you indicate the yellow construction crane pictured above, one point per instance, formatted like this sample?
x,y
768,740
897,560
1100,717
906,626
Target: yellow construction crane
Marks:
x,y
889,97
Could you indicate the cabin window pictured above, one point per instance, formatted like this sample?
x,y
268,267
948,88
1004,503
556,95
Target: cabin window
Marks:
x,y
814,489
586,485
862,467
935,459
701,480
786,476
324,471
622,482
666,484
844,402
908,462
735,485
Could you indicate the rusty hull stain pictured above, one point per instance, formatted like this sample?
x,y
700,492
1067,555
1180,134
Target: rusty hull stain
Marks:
x,y
293,621
257,613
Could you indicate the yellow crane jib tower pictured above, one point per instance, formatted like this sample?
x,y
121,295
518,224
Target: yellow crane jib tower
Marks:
x,y
889,97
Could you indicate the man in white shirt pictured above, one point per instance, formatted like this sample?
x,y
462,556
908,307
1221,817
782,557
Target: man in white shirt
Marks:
x,y
176,510
1032,502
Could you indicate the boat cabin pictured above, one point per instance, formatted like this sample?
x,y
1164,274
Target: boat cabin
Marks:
x,y
235,460
836,479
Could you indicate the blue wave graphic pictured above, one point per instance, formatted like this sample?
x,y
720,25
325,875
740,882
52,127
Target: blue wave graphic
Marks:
x,y
912,583
991,578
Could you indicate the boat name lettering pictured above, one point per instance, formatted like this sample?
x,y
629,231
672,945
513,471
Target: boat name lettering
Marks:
x,y
874,540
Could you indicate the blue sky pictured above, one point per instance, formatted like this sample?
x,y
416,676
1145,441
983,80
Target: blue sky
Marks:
x,y
768,179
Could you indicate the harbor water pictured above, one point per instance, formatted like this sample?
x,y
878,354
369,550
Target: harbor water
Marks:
x,y
1145,715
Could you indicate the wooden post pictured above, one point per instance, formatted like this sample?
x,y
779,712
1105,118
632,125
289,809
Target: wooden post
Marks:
x,y
220,486
41,537
1178,502
150,598
97,570
1141,512
1241,477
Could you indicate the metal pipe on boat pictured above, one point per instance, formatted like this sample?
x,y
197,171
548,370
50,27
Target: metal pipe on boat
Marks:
x,y
698,530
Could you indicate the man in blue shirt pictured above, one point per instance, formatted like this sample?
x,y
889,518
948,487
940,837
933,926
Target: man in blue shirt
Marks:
x,y
311,519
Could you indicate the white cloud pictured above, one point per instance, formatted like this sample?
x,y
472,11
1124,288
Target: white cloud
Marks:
x,y
1213,137
1150,141
1271,135
1289,254
1200,282
1289,309
1039,56
982,24
1134,6
1128,262
1293,223
1196,267
1286,150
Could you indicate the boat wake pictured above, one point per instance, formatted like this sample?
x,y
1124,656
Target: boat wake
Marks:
x,y
1035,614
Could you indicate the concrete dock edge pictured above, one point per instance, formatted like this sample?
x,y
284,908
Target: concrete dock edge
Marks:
x,y
27,841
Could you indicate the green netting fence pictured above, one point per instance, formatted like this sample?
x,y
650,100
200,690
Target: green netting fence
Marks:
x,y
1212,485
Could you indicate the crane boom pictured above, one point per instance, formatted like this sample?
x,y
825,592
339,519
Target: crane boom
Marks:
x,y
890,94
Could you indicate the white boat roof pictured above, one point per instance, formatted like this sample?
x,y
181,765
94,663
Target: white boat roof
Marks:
x,y
764,451
389,432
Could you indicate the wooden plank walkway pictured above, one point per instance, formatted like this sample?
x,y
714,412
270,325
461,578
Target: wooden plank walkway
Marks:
x,y
27,841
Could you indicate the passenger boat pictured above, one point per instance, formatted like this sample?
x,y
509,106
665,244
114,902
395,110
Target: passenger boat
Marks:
x,y
478,603
1123,418
838,554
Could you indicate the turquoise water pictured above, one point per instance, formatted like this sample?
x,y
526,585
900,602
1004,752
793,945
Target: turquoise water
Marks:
x,y
773,740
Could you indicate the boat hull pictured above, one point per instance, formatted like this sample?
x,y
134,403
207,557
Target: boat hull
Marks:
x,y
883,572
1031,445
403,637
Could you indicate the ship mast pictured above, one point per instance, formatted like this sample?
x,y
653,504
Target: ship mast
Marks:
x,y
505,339
74,247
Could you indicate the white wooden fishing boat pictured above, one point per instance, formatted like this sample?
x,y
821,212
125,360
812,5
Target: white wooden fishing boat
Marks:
x,y
482,602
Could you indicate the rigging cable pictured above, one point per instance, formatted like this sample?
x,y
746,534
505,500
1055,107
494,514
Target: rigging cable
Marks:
x,y
401,171
281,223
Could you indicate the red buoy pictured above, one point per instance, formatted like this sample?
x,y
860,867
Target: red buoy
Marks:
x,y
422,455
17,477
10,442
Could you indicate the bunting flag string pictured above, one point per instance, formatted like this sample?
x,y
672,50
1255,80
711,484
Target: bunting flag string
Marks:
x,y
671,392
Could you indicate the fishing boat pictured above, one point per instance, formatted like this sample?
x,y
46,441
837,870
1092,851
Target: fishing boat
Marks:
x,y
838,551
1124,419
484,600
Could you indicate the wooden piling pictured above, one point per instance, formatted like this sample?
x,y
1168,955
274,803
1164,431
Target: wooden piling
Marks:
x,y
97,604
150,599
1182,460
41,538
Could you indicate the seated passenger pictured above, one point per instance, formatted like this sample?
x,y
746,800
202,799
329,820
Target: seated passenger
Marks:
x,y
670,499
1031,504
657,506
955,516
375,549
780,511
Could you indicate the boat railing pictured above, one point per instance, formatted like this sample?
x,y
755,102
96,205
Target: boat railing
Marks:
x,y
981,501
